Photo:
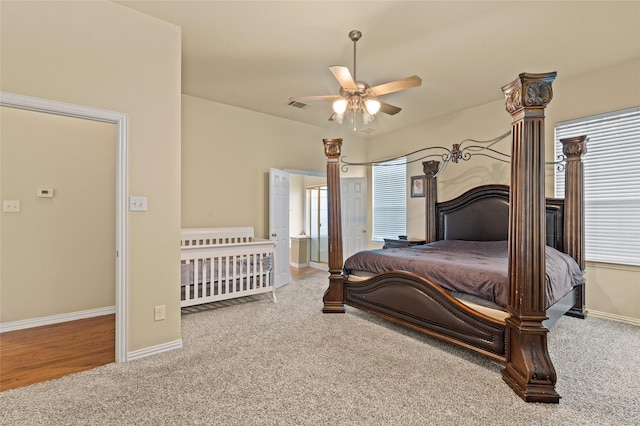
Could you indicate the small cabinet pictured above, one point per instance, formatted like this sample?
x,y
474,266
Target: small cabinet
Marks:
x,y
300,251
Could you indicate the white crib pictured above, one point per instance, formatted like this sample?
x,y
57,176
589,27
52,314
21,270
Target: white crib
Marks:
x,y
224,263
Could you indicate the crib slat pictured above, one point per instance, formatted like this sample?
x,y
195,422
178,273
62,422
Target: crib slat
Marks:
x,y
251,270
205,278
220,278
255,268
189,288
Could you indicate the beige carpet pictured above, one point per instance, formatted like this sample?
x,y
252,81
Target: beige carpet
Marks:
x,y
255,362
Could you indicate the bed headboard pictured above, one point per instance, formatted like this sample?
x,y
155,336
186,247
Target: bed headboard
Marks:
x,y
482,214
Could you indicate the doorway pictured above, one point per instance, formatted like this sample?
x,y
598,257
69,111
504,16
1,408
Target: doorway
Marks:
x,y
300,181
316,224
119,254
309,214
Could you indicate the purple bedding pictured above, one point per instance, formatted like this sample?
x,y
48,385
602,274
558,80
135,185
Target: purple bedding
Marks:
x,y
478,268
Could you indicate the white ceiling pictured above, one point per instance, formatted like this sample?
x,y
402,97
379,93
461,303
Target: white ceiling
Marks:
x,y
257,54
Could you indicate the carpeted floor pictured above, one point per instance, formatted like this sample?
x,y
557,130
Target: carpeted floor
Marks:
x,y
255,362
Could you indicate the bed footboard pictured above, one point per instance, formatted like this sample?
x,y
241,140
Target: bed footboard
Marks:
x,y
414,302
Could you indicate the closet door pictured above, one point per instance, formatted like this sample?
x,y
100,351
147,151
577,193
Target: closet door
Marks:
x,y
353,194
279,224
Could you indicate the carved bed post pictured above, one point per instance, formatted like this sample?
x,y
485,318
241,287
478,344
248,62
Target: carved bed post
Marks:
x,y
430,169
573,149
529,370
334,296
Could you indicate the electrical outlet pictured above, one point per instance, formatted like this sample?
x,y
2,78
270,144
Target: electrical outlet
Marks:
x,y
11,206
159,312
138,204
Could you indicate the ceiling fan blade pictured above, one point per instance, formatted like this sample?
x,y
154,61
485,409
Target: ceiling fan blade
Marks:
x,y
343,75
396,86
389,109
315,98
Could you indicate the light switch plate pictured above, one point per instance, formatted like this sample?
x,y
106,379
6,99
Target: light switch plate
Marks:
x,y
138,204
159,312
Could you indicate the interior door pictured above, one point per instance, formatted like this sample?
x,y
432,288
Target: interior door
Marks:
x,y
353,194
279,224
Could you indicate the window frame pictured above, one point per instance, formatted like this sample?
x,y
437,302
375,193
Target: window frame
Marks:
x,y
389,201
611,183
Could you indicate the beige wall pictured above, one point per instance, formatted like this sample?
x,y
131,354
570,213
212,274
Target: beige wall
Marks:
x,y
609,288
226,156
614,291
105,56
59,252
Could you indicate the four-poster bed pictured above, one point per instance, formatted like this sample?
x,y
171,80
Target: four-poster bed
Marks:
x,y
519,214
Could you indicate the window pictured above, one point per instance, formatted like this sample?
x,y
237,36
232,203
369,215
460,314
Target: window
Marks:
x,y
389,199
611,183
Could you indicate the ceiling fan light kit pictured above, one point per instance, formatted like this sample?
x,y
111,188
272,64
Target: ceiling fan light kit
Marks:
x,y
368,108
340,106
373,106
357,97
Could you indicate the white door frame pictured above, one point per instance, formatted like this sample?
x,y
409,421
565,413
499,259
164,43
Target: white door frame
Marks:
x,y
122,190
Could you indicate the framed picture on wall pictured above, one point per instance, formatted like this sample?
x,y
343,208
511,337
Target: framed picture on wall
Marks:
x,y
417,186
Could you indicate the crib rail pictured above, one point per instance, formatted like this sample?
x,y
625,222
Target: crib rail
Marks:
x,y
220,271
213,236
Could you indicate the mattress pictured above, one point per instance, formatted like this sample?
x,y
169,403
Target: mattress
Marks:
x,y
475,268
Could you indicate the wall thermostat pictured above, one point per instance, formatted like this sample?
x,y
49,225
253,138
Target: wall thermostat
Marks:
x,y
45,193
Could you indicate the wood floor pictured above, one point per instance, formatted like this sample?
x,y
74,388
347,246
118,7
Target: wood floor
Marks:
x,y
297,274
43,353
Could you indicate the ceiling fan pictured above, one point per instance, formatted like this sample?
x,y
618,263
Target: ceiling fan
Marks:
x,y
357,96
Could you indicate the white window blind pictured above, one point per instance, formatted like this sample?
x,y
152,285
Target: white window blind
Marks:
x,y
389,199
611,183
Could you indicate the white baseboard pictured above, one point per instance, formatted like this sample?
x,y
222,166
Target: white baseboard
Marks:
x,y
55,319
614,317
299,265
154,350
320,266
